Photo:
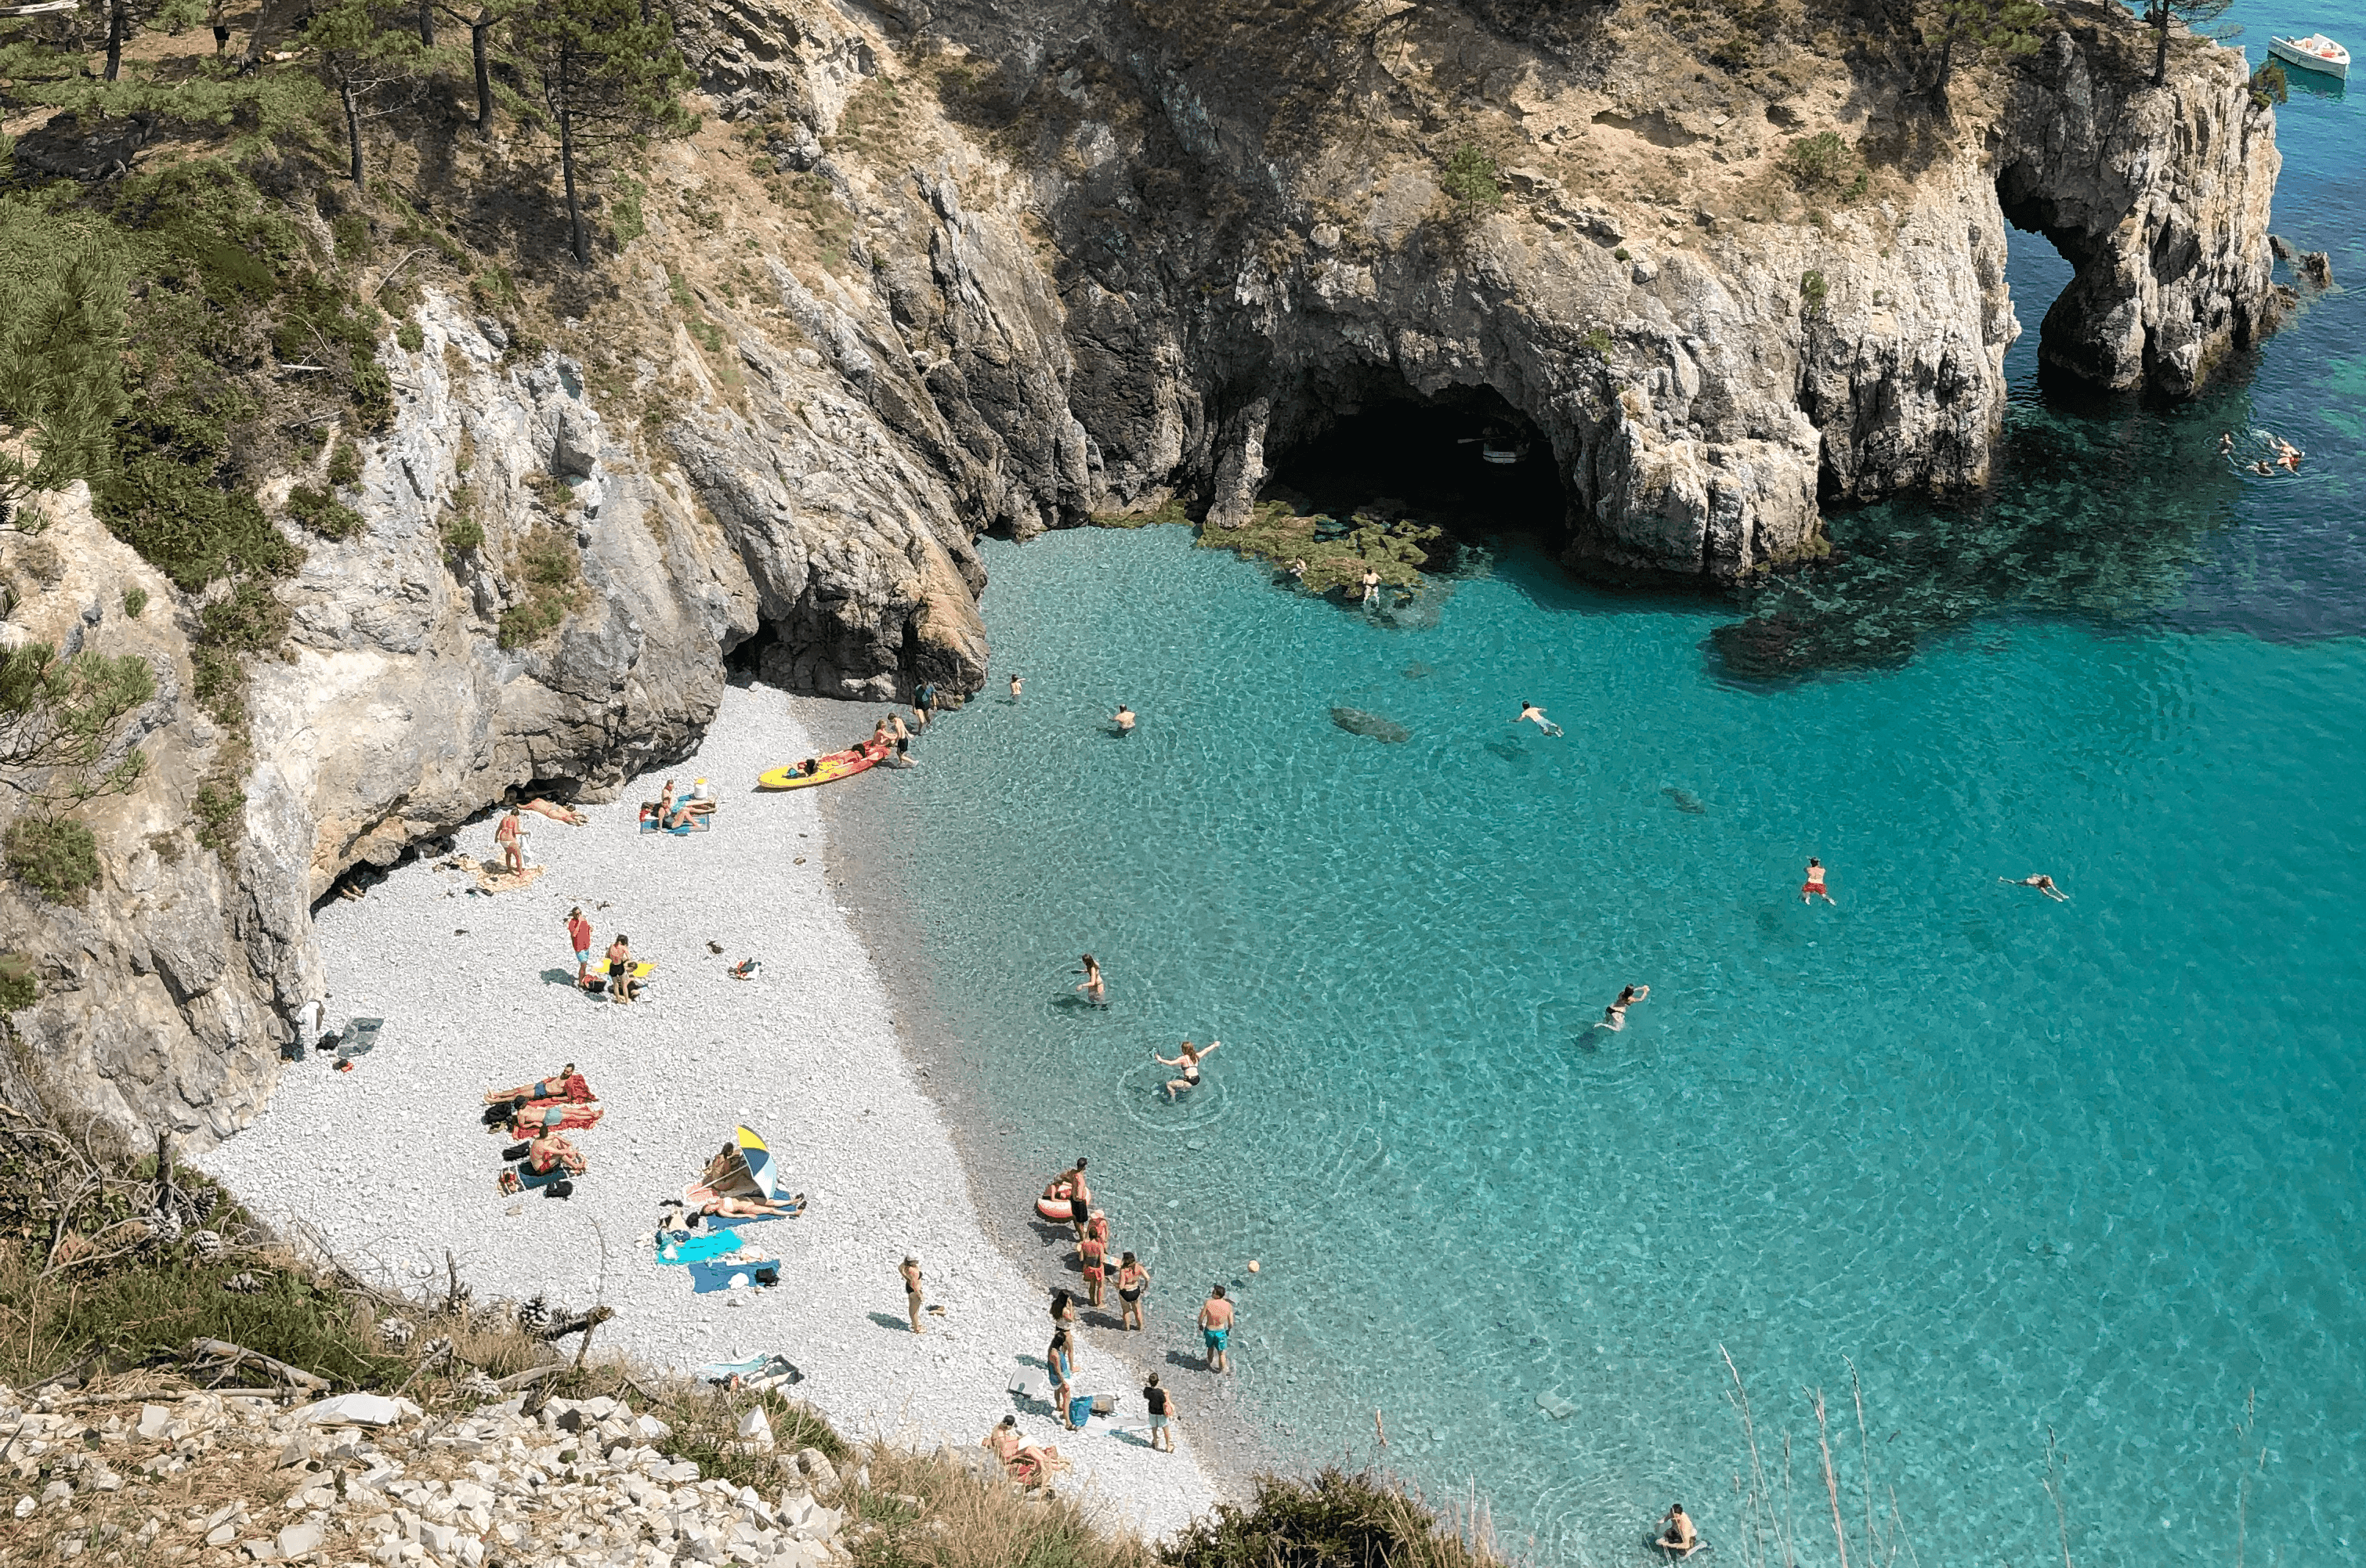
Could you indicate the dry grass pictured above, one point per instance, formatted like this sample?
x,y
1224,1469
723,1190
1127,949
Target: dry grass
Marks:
x,y
922,1512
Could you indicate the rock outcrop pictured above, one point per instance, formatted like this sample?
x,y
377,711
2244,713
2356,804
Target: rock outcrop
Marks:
x,y
969,265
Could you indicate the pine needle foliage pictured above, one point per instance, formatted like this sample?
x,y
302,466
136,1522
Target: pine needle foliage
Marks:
x,y
609,80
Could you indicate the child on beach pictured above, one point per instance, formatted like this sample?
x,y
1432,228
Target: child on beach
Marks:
x,y
1162,1411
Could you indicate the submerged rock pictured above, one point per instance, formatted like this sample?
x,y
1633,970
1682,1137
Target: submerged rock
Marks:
x,y
1685,801
1356,721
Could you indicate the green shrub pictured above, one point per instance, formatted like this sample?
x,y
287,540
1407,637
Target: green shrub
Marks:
x,y
249,620
1623,254
323,513
167,503
1471,179
460,530
1738,52
552,577
57,859
1333,1520
1813,292
18,989
353,235
2270,85
624,219
220,816
410,335
1824,163
344,464
220,686
1597,342
135,599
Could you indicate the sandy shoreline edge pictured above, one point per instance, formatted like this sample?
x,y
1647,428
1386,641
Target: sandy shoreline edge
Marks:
x,y
387,1168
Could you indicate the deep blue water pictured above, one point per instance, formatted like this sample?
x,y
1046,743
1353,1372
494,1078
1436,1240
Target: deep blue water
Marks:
x,y
2091,1167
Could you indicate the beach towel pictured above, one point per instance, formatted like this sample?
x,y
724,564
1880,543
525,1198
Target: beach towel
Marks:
x,y
526,1179
360,1038
707,1278
681,1247
491,880
755,1373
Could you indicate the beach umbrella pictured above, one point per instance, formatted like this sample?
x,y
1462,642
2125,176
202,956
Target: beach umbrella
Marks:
x,y
744,1168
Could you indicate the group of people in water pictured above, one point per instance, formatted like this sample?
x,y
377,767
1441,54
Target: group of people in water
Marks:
x,y
2281,454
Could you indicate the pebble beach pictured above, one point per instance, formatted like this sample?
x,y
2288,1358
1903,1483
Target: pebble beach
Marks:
x,y
388,1168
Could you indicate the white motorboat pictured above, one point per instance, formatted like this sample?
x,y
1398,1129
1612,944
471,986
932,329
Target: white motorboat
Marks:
x,y
2315,52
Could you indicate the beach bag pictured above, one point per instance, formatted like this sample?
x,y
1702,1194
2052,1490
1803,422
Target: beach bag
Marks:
x,y
1080,1409
1104,1405
559,1190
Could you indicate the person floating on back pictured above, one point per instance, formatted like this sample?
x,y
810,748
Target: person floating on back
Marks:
x,y
1532,714
1813,888
2043,883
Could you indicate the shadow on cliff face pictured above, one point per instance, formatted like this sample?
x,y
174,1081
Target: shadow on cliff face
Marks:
x,y
2101,509
1467,462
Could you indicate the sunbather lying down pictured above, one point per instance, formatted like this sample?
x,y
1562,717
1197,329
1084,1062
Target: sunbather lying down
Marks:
x,y
555,1117
565,1084
701,1199
1026,1464
557,813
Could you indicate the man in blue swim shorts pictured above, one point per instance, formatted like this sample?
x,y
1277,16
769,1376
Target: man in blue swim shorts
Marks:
x,y
1215,1327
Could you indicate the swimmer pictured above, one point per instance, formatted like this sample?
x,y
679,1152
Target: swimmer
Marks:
x,y
1532,714
2226,442
2042,882
1123,719
2263,466
1614,1017
1298,570
1096,988
1677,1536
1014,688
1372,586
1813,889
1189,1061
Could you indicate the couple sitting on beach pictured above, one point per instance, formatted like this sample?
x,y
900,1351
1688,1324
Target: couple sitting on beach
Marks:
x,y
1023,1461
669,815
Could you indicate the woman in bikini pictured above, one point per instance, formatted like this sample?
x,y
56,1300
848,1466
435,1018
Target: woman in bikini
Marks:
x,y
1614,1017
910,1270
2043,883
1096,988
1132,1278
1189,1061
1026,1464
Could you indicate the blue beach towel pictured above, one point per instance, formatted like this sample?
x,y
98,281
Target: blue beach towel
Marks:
x,y
708,1278
674,1246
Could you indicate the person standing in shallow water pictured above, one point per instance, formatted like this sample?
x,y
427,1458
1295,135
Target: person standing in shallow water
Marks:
x,y
910,1270
1372,586
1813,888
1014,688
1096,990
1216,1328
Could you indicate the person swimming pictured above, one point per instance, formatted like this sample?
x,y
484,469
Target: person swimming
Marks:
x,y
1813,888
2042,882
1614,1017
1123,719
1532,714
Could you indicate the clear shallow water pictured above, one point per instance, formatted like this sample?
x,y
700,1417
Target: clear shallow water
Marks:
x,y
2091,1167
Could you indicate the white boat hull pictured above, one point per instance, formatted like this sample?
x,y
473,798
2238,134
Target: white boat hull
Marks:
x,y
2292,54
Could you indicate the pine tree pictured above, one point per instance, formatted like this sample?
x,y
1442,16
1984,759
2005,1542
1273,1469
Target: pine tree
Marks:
x,y
123,19
2159,15
609,80
488,16
62,301
361,56
1963,30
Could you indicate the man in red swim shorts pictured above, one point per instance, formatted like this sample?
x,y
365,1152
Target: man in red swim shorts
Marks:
x,y
1814,887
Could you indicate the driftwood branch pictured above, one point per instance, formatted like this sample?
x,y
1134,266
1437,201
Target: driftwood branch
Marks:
x,y
529,1377
221,1356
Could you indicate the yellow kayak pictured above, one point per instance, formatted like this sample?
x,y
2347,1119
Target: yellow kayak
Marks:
x,y
837,765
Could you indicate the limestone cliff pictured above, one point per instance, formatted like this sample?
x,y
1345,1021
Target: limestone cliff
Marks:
x,y
954,265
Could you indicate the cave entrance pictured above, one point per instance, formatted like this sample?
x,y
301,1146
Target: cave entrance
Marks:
x,y
1464,460
2036,272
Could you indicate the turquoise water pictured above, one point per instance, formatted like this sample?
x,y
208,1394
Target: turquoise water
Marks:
x,y
2090,1168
